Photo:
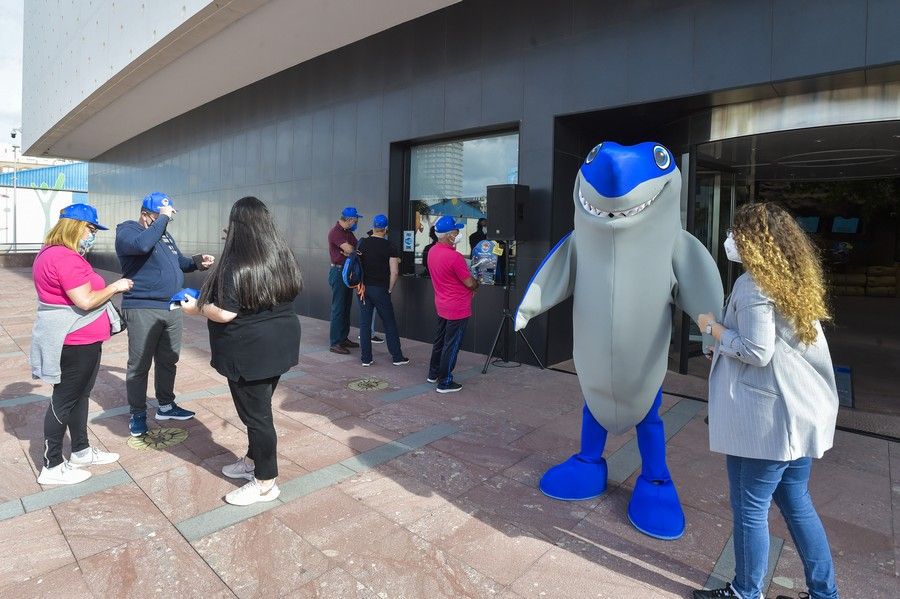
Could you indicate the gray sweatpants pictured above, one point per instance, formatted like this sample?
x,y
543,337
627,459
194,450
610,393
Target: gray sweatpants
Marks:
x,y
153,336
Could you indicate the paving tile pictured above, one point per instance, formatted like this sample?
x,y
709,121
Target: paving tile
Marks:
x,y
606,536
262,557
398,497
335,584
354,432
441,471
485,542
16,474
33,545
564,574
49,585
157,565
528,508
102,520
188,489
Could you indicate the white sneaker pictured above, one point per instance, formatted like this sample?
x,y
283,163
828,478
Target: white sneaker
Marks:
x,y
240,469
92,457
64,474
252,493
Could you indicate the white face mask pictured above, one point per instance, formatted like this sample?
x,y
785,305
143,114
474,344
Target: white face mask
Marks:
x,y
731,250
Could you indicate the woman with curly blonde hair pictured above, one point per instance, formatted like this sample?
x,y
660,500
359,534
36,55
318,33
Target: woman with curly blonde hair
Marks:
x,y
772,396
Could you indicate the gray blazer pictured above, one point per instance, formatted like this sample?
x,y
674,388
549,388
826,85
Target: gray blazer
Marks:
x,y
770,396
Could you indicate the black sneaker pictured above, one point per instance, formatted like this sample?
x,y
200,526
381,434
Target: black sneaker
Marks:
x,y
453,387
723,593
369,363
377,339
431,380
403,360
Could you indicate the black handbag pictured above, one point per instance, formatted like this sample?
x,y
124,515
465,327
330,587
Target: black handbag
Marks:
x,y
124,323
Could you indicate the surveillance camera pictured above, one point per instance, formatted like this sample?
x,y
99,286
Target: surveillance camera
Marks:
x,y
13,133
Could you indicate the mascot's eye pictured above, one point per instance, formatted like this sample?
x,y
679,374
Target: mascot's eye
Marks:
x,y
661,155
593,153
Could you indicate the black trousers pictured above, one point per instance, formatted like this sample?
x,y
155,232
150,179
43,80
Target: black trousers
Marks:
x,y
253,402
447,338
68,407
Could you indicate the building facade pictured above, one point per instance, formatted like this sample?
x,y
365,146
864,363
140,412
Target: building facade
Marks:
x,y
449,97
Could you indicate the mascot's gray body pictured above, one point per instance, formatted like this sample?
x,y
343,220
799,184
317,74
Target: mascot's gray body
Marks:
x,y
626,263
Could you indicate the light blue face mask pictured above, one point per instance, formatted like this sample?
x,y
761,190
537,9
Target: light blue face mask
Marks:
x,y
87,244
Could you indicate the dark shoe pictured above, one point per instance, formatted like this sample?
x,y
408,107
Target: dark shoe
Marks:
x,y
338,349
724,593
400,362
369,363
431,380
173,412
377,339
347,344
453,387
137,425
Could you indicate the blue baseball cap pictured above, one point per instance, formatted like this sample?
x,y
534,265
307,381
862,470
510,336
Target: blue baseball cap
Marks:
x,y
445,224
350,212
380,221
155,200
83,212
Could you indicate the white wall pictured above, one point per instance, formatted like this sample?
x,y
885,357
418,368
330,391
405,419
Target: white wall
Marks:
x,y
74,46
35,213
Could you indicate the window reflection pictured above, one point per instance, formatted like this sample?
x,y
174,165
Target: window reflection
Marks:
x,y
451,177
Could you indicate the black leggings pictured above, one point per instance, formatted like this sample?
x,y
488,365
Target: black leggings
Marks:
x,y
253,402
68,407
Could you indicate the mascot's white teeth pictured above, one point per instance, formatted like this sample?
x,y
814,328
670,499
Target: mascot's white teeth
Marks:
x,y
630,212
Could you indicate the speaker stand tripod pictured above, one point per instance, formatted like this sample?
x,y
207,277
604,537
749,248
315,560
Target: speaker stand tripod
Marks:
x,y
507,319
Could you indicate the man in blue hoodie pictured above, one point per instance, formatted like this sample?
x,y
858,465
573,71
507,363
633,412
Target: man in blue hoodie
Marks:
x,y
149,255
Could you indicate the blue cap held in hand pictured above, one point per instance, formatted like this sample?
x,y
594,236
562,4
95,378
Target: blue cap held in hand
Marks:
x,y
184,294
155,200
380,221
83,212
445,224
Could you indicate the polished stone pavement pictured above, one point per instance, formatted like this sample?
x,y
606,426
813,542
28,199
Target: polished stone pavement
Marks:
x,y
389,491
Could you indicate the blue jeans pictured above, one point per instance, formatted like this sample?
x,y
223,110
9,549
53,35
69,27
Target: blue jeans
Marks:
x,y
447,340
341,300
754,484
378,298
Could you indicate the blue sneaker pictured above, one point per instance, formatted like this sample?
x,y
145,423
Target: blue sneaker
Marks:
x,y
173,412
138,424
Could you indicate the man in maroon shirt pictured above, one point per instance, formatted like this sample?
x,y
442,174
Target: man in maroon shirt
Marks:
x,y
341,242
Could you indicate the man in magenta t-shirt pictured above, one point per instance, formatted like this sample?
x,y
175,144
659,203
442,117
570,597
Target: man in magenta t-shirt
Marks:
x,y
454,287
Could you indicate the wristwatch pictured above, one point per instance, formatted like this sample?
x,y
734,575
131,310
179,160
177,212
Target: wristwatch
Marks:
x,y
709,326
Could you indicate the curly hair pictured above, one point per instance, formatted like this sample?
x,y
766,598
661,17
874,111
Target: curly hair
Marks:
x,y
785,264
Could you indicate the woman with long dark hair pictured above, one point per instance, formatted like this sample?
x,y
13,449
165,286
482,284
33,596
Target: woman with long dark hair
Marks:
x,y
254,335
772,396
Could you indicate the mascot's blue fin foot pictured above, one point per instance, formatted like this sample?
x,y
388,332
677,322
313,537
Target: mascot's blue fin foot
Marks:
x,y
654,509
575,479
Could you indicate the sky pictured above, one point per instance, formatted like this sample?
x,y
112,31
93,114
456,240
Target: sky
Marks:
x,y
11,14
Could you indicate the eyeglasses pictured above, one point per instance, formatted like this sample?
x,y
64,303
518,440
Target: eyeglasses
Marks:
x,y
92,229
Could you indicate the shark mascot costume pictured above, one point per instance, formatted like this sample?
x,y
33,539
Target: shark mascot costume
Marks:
x,y
627,261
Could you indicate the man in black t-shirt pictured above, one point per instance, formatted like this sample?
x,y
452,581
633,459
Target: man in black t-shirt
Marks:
x,y
381,268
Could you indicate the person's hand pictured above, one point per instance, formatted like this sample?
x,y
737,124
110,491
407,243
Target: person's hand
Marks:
x,y
705,319
122,285
167,211
207,261
189,305
708,352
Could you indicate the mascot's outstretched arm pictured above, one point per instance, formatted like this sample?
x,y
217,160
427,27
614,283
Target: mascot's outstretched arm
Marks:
x,y
552,283
699,285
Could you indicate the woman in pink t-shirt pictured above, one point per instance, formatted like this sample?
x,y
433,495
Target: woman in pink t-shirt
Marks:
x,y
62,277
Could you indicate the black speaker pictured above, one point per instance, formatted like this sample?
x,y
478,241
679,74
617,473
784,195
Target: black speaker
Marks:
x,y
506,211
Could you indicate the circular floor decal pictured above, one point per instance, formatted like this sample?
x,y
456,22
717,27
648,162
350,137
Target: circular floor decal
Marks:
x,y
158,438
367,385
